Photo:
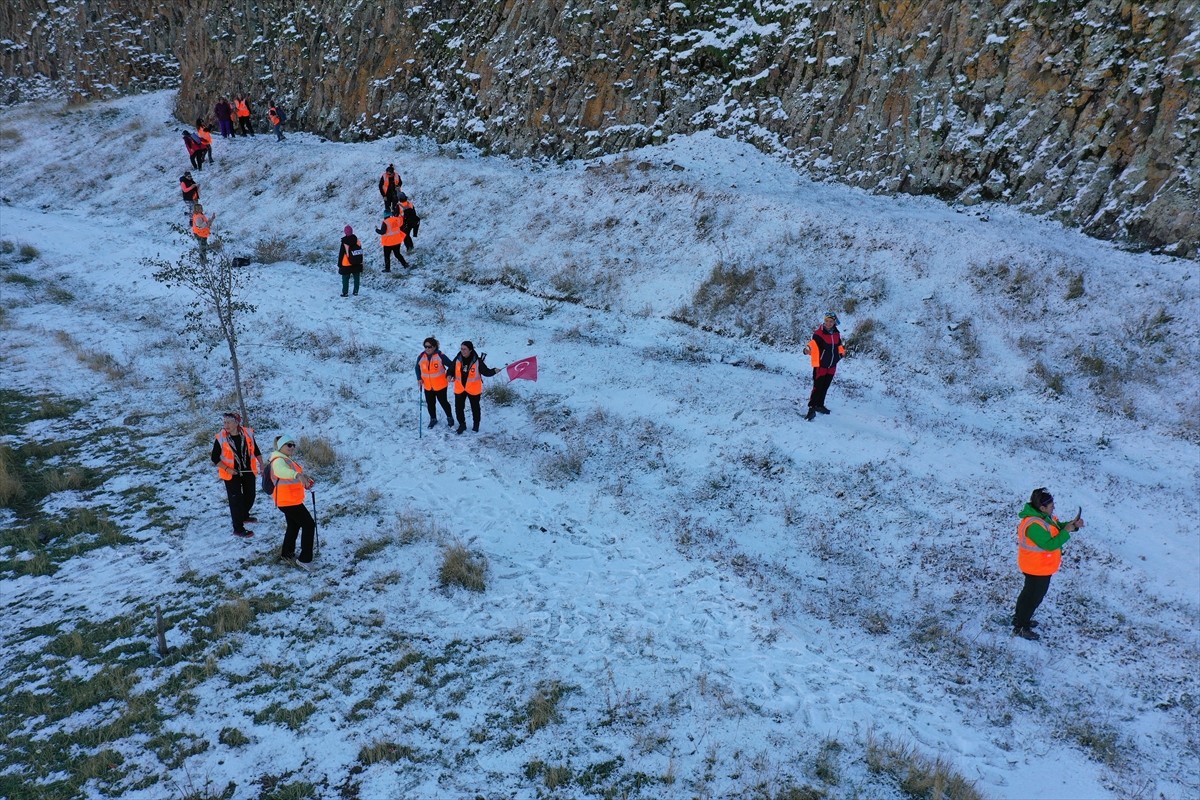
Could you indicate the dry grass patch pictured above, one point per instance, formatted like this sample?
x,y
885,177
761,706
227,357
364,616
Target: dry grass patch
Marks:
x,y
917,775
318,452
461,567
542,708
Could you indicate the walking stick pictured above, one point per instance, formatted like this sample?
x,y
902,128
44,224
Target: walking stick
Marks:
x,y
316,527
419,432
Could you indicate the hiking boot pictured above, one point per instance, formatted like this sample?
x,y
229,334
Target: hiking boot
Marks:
x,y
1026,632
811,415
243,534
1033,623
449,423
304,565
460,429
432,423
474,429
250,519
822,410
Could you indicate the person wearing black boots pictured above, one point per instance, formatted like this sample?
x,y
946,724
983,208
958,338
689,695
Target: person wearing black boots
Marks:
x,y
824,350
432,369
469,370
1040,538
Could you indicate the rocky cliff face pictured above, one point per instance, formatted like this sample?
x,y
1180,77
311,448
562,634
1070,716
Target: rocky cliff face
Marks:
x,y
1087,111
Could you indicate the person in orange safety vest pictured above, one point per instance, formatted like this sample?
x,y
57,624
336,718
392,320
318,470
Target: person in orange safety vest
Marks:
x,y
241,108
237,459
202,229
290,486
391,236
432,371
190,190
389,189
469,370
1040,538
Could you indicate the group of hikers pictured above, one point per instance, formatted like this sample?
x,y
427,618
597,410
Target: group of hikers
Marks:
x,y
1040,535
400,226
240,463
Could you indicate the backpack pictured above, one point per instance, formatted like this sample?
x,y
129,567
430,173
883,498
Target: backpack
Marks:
x,y
268,479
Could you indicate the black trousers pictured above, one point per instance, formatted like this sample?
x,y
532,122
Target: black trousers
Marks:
x,y
1030,598
438,396
244,125
197,159
391,205
820,387
240,491
390,250
298,521
460,408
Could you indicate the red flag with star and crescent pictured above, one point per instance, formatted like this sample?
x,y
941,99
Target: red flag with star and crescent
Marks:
x,y
525,369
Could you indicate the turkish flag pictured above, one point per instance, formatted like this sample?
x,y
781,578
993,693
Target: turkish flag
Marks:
x,y
526,368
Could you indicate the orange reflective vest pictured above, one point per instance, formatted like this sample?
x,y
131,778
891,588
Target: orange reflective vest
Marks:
x,y
393,232
289,490
433,371
243,110
273,115
1031,559
473,384
204,136
388,182
228,463
200,225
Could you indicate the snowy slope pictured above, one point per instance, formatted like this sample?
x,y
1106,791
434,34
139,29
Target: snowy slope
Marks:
x,y
718,588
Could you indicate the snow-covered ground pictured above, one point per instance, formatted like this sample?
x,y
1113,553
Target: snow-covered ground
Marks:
x,y
726,600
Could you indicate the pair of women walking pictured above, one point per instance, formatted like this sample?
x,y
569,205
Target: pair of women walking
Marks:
x,y
434,372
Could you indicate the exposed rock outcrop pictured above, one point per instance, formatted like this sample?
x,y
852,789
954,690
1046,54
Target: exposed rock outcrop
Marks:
x,y
1083,110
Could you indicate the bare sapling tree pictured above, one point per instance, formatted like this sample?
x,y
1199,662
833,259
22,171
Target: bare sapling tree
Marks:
x,y
215,310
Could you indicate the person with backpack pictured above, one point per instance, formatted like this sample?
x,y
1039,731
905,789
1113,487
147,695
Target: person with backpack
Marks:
x,y
190,190
391,237
1040,538
290,485
195,150
824,350
412,222
469,370
432,365
350,260
277,119
389,186
237,459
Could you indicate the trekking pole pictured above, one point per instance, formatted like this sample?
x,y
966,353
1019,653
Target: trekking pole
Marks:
x,y
316,527
419,432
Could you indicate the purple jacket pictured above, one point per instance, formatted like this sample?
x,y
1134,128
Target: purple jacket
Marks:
x,y
222,110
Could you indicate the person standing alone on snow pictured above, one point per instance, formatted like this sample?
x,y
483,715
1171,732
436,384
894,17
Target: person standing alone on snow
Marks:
x,y
389,188
1040,537
469,371
824,350
350,260
237,459
432,366
290,486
